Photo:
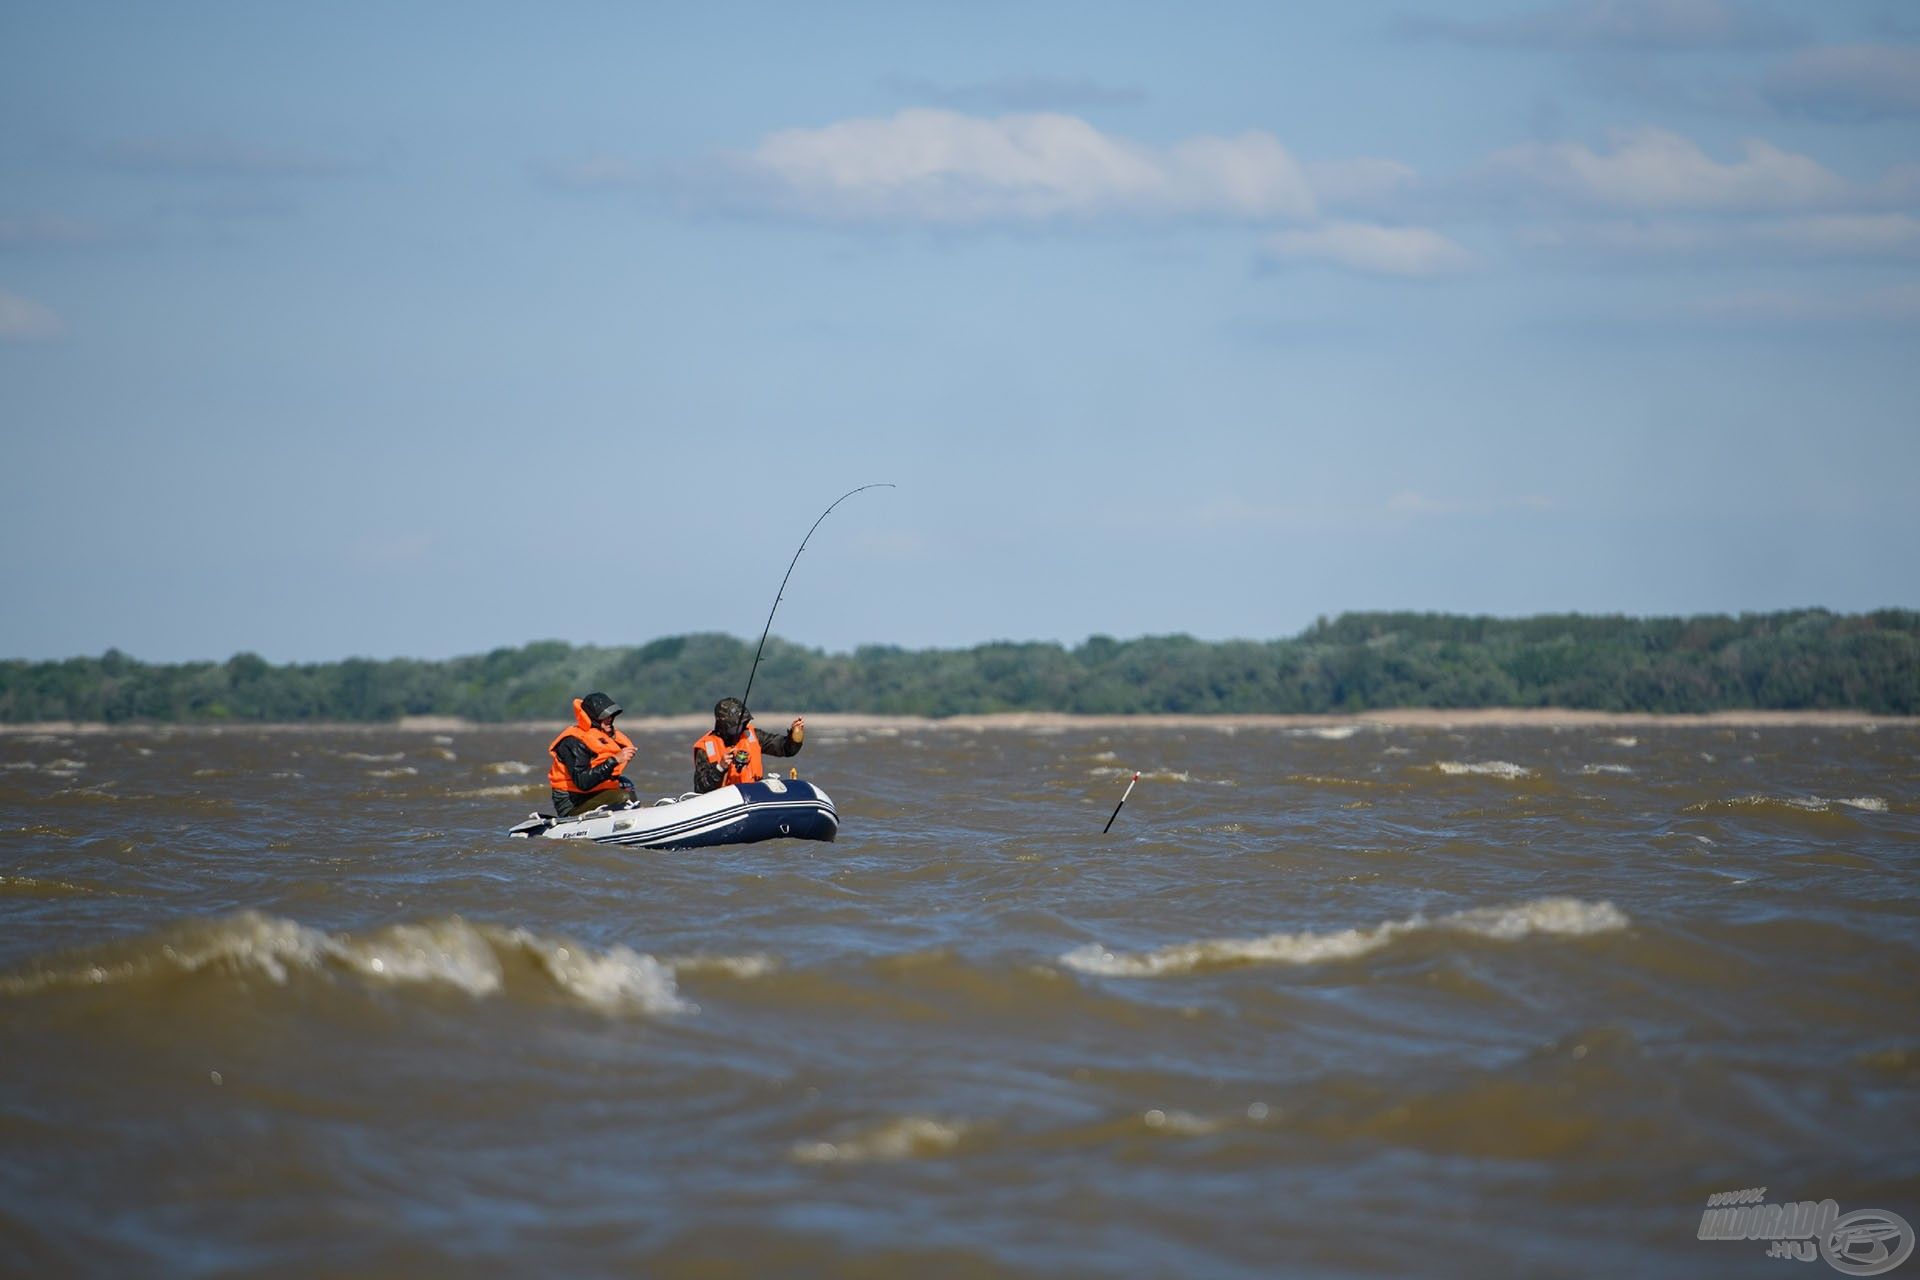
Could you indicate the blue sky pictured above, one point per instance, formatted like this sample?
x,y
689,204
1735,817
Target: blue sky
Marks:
x,y
424,329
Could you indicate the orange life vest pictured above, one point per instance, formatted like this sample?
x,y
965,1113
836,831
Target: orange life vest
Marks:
x,y
718,752
603,746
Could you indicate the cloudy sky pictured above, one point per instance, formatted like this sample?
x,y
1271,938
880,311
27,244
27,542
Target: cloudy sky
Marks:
x,y
422,329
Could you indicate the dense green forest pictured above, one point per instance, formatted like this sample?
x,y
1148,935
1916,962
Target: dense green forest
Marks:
x,y
1359,661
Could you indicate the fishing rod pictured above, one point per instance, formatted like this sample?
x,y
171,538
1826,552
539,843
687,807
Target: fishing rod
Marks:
x,y
781,593
1123,801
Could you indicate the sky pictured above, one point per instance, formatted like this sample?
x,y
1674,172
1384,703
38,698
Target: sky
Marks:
x,y
419,330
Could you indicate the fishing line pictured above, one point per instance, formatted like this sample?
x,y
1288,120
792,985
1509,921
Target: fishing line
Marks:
x,y
781,593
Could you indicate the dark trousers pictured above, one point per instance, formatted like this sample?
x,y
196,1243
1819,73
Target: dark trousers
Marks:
x,y
568,803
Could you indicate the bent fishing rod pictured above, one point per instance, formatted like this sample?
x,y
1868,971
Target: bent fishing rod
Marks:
x,y
779,595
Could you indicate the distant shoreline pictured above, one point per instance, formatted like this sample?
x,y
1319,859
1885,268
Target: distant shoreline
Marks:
x,y
1055,721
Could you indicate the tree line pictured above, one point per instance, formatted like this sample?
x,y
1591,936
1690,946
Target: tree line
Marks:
x,y
1802,659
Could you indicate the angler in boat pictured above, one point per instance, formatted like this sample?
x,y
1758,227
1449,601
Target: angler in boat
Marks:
x,y
587,762
732,801
593,799
732,752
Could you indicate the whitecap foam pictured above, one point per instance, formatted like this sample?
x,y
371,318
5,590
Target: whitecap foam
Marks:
x,y
372,759
1806,804
618,978
1606,768
443,952
1329,733
1329,780
903,1138
403,771
1563,917
508,766
449,951
1146,775
754,965
1486,768
1184,1124
1624,742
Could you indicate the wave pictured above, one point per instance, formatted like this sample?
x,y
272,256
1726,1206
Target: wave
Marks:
x,y
1591,769
373,759
1155,775
1790,804
1560,917
33,887
508,766
1488,768
449,952
1872,804
1328,780
754,965
1182,1123
903,1138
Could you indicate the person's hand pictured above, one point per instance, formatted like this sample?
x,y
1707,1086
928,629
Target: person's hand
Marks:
x,y
626,754
798,729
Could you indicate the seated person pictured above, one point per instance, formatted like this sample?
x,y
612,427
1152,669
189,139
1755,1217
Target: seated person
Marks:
x,y
588,757
731,753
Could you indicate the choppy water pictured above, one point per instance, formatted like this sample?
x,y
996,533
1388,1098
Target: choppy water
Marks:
x,y
1324,1003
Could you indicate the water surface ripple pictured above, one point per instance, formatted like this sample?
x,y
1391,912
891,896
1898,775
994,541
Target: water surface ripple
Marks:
x,y
1348,1003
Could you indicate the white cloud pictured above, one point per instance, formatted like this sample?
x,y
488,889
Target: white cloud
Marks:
x,y
24,320
1868,235
1362,181
1375,250
1656,169
1894,304
1615,24
944,168
1848,82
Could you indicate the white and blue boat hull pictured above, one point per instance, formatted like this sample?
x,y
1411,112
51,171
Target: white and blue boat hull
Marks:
x,y
773,809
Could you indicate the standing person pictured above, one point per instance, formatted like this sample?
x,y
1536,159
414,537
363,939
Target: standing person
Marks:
x,y
731,753
588,758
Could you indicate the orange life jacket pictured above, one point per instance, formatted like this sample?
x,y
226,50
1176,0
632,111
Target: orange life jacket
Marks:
x,y
603,746
718,752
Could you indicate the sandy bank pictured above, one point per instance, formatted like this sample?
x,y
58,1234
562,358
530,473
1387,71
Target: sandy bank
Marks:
x,y
1055,722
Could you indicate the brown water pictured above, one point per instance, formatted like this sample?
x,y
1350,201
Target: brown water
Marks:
x,y
1335,1002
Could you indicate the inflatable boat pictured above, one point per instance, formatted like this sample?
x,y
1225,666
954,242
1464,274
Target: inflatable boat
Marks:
x,y
772,809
